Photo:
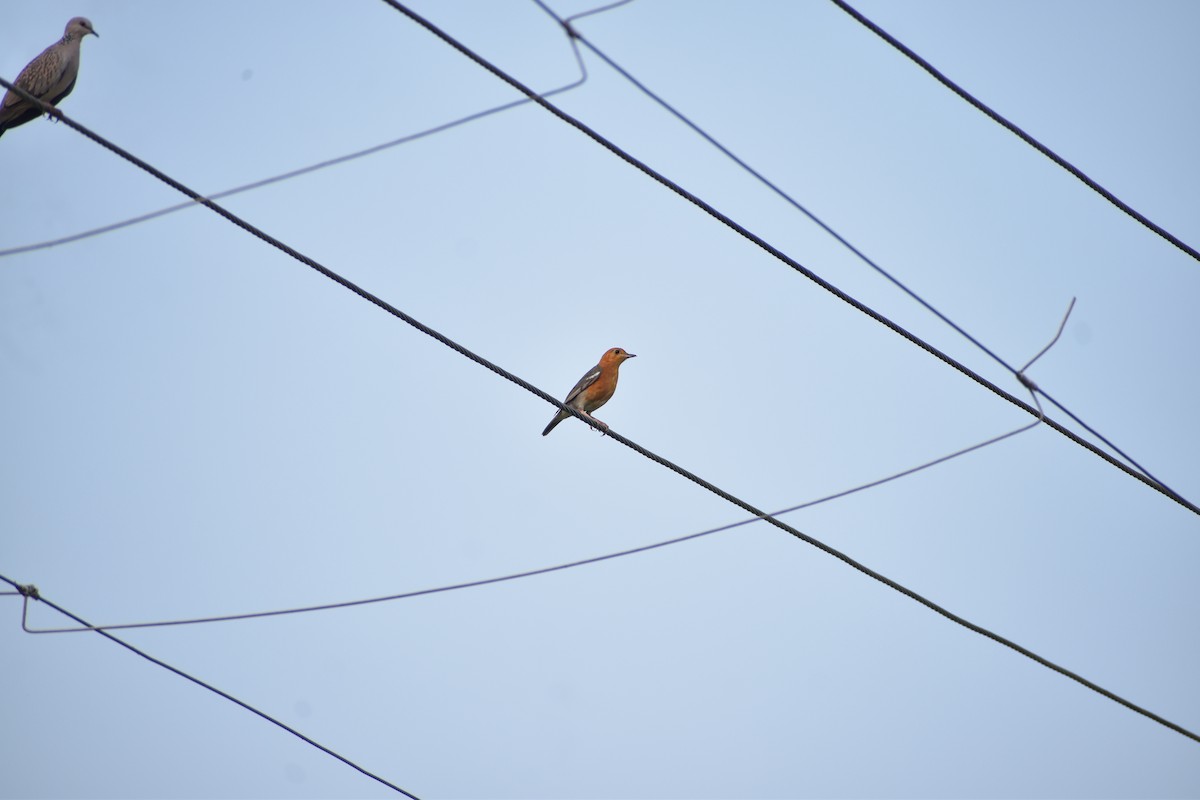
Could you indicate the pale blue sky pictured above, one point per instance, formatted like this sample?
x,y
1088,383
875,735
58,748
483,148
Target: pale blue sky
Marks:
x,y
197,424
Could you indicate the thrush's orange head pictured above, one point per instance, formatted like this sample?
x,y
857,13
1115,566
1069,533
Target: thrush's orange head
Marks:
x,y
615,356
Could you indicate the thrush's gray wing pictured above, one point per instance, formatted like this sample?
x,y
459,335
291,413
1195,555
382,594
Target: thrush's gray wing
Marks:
x,y
587,380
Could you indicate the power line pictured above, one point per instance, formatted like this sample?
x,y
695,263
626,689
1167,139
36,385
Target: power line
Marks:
x,y
1012,128
780,255
295,173
30,591
573,33
613,435
526,573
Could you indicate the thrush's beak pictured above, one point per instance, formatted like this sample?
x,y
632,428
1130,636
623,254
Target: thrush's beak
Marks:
x,y
630,355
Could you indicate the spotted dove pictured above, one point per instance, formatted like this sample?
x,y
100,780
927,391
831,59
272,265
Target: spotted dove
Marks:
x,y
50,77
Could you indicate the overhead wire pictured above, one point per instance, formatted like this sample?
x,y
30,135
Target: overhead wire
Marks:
x,y
1015,130
573,33
28,591
611,434
525,573
780,255
295,173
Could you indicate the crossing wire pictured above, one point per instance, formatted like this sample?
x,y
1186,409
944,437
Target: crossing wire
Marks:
x,y
29,591
780,255
1012,128
613,435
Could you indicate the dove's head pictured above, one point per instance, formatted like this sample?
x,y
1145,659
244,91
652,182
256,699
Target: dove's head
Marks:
x,y
80,27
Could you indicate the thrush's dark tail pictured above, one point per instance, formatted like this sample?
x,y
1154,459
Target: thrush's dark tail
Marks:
x,y
557,419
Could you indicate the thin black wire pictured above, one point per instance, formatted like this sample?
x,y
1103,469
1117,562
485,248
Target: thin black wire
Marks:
x,y
519,575
1012,128
26,591
75,237
613,435
780,255
573,34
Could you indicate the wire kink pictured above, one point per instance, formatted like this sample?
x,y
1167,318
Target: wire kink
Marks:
x,y
1012,128
780,255
24,590
573,35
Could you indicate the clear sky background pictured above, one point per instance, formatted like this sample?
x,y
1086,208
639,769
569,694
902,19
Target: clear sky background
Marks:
x,y
196,424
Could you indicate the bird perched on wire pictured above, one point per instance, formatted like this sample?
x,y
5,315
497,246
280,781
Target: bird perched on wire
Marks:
x,y
50,77
594,389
